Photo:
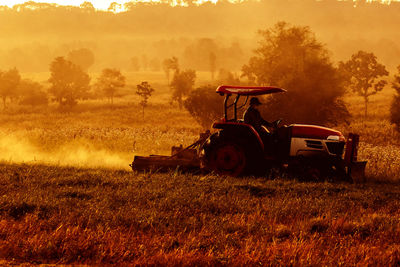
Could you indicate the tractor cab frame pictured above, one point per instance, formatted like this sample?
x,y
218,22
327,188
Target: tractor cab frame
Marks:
x,y
239,91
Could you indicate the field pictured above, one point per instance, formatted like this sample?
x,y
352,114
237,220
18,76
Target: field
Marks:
x,y
67,194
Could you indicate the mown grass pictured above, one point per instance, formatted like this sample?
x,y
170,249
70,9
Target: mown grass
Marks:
x,y
69,215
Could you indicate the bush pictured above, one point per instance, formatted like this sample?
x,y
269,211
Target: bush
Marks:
x,y
32,93
204,105
395,107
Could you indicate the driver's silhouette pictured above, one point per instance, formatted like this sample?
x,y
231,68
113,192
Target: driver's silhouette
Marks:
x,y
253,117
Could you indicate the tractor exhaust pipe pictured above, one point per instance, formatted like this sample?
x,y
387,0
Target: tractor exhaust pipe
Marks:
x,y
355,168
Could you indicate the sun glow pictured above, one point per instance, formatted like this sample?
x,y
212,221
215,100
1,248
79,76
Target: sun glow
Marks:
x,y
119,4
99,4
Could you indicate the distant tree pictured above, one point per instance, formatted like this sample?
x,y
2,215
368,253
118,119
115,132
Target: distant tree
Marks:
x,y
227,77
9,81
32,93
170,64
363,74
109,82
182,84
69,82
114,7
204,105
144,90
87,6
135,64
154,64
82,57
290,57
213,60
198,55
395,107
144,62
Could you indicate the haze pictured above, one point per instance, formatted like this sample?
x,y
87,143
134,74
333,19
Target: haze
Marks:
x,y
34,34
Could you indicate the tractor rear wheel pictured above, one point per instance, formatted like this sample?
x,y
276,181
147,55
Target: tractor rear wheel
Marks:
x,y
227,158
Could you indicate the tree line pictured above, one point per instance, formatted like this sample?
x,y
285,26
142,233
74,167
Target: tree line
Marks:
x,y
32,31
69,83
292,58
287,56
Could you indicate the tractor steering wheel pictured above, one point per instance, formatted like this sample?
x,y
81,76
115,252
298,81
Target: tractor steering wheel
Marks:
x,y
276,123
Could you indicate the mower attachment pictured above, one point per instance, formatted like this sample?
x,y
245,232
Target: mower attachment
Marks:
x,y
186,159
164,163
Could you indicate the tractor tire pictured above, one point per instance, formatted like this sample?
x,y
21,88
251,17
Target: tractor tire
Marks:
x,y
230,156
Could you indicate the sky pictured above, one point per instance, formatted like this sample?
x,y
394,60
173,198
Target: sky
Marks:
x,y
104,4
99,4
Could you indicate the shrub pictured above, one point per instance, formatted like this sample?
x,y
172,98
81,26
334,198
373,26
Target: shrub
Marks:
x,y
395,107
204,105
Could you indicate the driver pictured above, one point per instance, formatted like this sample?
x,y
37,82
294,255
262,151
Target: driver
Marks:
x,y
253,117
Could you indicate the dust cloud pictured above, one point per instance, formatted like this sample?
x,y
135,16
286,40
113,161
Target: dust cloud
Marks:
x,y
16,150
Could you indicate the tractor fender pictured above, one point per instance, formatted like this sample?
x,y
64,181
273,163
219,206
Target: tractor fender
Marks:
x,y
241,135
241,131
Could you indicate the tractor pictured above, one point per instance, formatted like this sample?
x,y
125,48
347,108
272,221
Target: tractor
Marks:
x,y
236,148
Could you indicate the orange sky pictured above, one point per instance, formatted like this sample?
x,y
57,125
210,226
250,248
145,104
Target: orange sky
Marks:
x,y
99,4
104,4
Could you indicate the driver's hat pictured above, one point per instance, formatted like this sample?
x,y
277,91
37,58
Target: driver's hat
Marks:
x,y
254,101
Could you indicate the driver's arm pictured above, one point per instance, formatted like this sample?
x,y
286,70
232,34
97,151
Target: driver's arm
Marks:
x,y
267,123
261,120
264,122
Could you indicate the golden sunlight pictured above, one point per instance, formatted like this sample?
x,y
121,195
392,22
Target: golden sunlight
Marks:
x,y
99,4
119,5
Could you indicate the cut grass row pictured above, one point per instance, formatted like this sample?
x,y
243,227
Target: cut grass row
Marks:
x,y
69,215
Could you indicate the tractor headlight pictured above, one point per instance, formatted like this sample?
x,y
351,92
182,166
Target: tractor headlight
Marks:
x,y
333,138
336,138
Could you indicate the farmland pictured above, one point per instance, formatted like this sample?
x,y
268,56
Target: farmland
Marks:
x,y
72,215
67,194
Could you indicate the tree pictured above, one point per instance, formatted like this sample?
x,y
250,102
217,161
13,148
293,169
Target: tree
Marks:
x,y
290,57
144,62
115,7
154,64
204,105
69,82
182,84
395,107
109,82
9,81
363,74
135,64
144,90
198,54
87,6
32,93
213,59
170,64
227,77
82,57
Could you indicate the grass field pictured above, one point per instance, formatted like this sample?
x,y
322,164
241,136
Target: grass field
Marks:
x,y
67,194
71,215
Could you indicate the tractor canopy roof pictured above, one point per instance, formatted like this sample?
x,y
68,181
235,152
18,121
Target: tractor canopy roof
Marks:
x,y
248,90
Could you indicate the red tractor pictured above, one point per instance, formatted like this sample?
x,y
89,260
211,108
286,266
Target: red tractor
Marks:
x,y
236,148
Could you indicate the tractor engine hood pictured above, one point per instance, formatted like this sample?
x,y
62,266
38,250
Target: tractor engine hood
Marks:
x,y
315,132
